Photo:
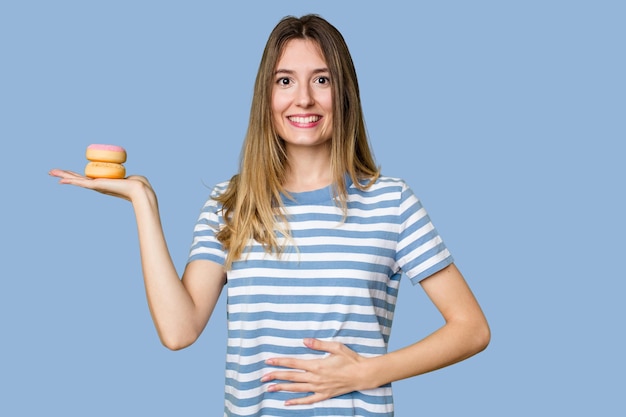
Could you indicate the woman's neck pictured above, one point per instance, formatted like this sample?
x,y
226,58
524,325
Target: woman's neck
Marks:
x,y
307,171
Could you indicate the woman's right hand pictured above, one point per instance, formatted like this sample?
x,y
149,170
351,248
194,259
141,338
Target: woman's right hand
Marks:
x,y
127,188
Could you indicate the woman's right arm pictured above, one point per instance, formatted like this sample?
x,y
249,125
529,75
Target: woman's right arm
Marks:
x,y
180,309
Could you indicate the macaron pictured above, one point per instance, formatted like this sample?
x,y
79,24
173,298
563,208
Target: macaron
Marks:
x,y
105,161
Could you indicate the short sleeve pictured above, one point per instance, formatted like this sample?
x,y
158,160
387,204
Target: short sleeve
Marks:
x,y
204,243
421,251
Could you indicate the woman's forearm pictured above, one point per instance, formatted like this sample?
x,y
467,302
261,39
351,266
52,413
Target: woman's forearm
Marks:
x,y
171,306
465,332
452,343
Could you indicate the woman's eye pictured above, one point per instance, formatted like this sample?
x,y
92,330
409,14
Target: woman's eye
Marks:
x,y
284,81
323,80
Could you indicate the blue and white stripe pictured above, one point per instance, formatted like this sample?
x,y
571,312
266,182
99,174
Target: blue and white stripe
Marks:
x,y
337,280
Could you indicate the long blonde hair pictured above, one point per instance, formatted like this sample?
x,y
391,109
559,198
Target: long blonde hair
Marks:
x,y
252,204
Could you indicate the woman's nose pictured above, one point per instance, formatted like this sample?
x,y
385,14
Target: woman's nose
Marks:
x,y
305,98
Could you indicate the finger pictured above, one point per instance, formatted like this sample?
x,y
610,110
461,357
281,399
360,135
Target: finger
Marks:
x,y
64,173
80,180
321,345
291,376
309,399
291,363
71,177
291,388
112,187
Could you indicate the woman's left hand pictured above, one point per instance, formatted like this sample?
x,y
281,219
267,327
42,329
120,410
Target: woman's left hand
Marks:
x,y
338,373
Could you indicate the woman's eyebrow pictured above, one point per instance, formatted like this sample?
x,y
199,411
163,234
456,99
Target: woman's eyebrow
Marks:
x,y
289,72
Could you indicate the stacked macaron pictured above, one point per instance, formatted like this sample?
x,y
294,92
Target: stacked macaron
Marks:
x,y
105,161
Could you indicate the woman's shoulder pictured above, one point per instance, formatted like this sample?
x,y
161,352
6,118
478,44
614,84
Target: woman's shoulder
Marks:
x,y
219,188
384,182
391,181
383,190
211,203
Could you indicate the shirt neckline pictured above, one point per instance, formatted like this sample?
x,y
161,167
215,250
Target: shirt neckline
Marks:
x,y
320,195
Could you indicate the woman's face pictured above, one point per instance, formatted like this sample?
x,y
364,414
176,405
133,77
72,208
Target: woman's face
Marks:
x,y
302,96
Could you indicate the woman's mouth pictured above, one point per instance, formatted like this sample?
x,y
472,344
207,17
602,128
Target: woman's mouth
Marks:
x,y
304,121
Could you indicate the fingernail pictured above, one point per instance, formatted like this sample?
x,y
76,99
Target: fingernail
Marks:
x,y
270,361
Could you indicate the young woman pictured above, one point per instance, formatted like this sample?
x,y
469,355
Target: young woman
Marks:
x,y
312,242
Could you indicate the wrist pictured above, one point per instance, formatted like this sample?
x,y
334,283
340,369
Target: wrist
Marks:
x,y
142,194
372,375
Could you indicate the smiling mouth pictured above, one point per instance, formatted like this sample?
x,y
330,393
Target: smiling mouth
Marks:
x,y
304,120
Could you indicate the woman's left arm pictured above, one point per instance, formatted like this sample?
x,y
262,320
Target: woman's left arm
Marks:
x,y
464,334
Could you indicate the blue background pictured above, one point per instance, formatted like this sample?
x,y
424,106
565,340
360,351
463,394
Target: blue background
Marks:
x,y
506,118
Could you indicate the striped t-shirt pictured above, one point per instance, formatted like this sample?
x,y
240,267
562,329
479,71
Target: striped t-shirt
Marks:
x,y
338,283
